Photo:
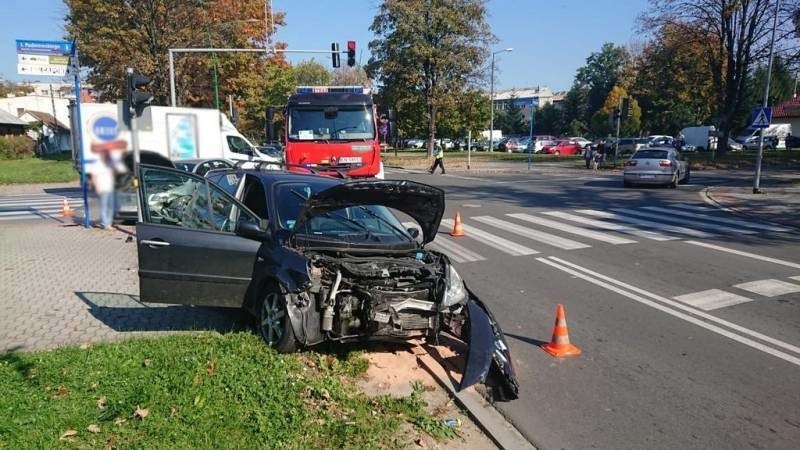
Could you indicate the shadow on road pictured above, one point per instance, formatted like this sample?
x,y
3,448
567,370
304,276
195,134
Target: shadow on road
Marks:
x,y
124,312
526,339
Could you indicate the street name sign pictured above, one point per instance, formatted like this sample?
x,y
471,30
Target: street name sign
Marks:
x,y
761,118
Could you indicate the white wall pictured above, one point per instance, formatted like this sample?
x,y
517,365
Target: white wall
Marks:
x,y
37,103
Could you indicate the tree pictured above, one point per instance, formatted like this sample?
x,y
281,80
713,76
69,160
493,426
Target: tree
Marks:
x,y
603,70
781,86
138,33
14,89
674,84
629,126
511,121
428,52
549,120
311,73
734,35
351,76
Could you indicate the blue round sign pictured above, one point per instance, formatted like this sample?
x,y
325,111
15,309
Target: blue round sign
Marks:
x,y
105,128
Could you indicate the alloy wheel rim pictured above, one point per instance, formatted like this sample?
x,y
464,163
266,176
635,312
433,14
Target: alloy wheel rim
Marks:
x,y
272,315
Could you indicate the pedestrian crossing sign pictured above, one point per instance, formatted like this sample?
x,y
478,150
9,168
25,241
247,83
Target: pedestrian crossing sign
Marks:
x,y
761,118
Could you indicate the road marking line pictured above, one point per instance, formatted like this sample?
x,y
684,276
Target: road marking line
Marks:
x,y
647,223
745,254
741,223
456,251
33,211
769,288
666,218
694,320
596,235
51,201
504,245
712,299
536,235
611,226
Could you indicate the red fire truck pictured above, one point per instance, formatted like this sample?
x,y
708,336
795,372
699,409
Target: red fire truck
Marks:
x,y
333,129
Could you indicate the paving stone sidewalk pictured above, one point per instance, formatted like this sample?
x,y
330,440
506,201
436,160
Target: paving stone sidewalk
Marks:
x,y
64,284
778,204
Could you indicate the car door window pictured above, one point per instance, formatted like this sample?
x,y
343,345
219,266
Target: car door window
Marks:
x,y
188,201
239,145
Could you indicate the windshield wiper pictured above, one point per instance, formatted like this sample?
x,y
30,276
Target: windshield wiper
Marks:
x,y
390,224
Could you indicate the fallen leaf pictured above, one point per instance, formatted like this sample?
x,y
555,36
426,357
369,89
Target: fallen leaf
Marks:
x,y
147,362
85,346
212,366
325,394
173,411
65,371
93,428
68,434
101,402
62,391
141,413
119,421
420,442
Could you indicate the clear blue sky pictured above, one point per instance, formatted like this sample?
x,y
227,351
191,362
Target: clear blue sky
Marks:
x,y
551,38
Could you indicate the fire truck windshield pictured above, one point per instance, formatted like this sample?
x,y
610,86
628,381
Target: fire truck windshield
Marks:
x,y
328,123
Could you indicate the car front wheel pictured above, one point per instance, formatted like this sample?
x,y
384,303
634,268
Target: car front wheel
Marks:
x,y
274,324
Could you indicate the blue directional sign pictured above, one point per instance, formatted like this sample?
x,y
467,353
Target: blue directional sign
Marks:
x,y
761,118
55,48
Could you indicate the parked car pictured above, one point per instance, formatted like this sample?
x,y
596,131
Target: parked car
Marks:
x,y
314,260
517,144
202,166
630,145
542,141
752,142
415,143
563,147
544,145
659,165
660,141
274,150
582,141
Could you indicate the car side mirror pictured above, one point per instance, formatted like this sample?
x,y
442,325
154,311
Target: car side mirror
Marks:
x,y
413,232
250,230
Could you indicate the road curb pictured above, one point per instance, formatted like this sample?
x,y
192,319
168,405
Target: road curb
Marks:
x,y
497,428
708,198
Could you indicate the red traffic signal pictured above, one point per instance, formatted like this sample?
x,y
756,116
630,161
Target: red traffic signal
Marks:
x,y
351,53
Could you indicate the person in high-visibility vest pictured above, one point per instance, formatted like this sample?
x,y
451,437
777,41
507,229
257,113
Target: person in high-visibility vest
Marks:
x,y
438,158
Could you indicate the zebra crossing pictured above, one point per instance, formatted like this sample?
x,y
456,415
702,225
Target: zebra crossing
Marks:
x,y
37,206
711,299
531,233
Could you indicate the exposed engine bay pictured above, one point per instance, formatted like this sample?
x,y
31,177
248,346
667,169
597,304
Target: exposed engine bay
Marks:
x,y
379,296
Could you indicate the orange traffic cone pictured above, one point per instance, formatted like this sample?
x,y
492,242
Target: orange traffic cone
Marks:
x,y
66,211
559,345
457,229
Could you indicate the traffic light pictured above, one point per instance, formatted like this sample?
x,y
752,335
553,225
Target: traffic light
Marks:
x,y
626,108
137,99
351,53
335,54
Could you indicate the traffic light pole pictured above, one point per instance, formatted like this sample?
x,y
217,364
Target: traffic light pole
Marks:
x,y
172,51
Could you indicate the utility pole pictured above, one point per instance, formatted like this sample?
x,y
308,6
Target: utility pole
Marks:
x,y
618,113
759,156
55,119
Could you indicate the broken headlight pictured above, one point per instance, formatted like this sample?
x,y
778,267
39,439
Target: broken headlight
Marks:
x,y
455,292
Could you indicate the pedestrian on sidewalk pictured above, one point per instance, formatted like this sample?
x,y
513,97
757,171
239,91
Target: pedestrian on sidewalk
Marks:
x,y
596,158
103,176
438,158
788,141
588,155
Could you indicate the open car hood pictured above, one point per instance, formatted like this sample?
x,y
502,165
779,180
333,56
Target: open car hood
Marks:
x,y
424,203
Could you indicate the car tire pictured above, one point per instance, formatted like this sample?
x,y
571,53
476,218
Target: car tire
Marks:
x,y
674,182
687,175
626,184
274,325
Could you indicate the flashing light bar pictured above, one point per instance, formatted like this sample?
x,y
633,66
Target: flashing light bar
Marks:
x,y
332,89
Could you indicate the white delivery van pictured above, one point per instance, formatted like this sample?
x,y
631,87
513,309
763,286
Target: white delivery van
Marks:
x,y
167,132
701,138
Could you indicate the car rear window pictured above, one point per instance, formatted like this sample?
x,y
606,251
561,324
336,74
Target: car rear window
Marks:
x,y
651,154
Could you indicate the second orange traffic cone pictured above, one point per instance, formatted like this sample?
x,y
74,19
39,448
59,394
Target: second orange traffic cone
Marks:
x,y
559,345
457,229
66,211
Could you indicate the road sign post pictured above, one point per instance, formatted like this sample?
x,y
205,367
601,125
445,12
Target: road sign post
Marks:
x,y
765,110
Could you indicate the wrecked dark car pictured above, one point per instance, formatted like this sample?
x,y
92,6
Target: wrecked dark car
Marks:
x,y
313,259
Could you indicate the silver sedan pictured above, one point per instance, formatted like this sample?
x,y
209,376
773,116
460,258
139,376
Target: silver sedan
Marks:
x,y
659,165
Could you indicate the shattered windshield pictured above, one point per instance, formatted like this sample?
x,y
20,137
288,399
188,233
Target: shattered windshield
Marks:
x,y
331,123
364,222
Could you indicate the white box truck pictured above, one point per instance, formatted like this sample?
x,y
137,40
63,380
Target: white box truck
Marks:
x,y
165,133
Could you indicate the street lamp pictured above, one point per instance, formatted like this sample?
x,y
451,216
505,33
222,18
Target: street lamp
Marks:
x,y
491,100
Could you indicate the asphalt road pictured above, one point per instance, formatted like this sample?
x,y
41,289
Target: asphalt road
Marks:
x,y
689,319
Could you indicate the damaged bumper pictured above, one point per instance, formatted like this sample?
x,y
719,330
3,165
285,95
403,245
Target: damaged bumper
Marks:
x,y
488,359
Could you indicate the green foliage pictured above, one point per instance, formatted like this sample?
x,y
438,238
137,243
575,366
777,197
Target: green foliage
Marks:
x,y
603,70
14,89
511,121
427,54
601,126
197,391
781,86
549,120
16,147
311,73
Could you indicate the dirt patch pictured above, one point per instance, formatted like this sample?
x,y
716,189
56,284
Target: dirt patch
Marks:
x,y
394,369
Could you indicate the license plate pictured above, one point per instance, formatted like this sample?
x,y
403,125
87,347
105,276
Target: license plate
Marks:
x,y
646,177
350,160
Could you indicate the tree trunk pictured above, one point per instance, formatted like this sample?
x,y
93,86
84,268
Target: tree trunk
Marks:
x,y
431,126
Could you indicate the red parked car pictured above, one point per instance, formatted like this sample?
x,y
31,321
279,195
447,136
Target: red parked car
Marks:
x,y
563,148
